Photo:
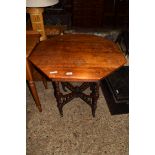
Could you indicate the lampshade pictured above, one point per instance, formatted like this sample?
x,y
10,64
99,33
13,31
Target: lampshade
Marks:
x,y
40,3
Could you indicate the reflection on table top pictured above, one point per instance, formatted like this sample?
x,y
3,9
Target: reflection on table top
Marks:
x,y
77,57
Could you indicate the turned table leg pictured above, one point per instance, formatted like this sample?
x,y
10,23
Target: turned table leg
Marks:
x,y
35,94
76,91
95,95
32,86
58,96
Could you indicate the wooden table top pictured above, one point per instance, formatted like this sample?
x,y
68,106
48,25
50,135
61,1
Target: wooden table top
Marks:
x,y
77,57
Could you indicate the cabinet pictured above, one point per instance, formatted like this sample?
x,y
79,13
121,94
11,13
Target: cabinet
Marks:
x,y
116,12
88,13
100,13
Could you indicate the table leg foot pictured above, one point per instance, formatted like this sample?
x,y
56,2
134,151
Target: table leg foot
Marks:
x,y
60,111
94,106
95,95
35,94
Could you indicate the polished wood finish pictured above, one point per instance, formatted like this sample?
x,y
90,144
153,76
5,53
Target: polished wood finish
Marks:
x,y
32,39
34,91
77,57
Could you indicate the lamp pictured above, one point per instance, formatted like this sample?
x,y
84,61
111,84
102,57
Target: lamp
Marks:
x,y
36,8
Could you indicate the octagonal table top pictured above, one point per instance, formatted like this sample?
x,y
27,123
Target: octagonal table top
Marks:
x,y
77,57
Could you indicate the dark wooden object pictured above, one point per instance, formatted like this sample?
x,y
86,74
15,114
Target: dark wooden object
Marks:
x,y
87,13
115,88
77,57
99,13
77,91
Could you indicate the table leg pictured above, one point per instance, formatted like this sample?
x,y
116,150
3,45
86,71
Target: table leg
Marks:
x,y
35,94
95,95
32,86
76,91
58,96
44,82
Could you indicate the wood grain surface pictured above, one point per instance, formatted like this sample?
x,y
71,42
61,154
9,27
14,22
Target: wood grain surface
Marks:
x,y
77,57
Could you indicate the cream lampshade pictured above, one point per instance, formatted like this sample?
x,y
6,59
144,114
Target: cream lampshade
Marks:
x,y
35,8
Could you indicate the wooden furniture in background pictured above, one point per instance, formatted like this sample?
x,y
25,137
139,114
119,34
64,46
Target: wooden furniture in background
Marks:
x,y
99,13
37,21
116,12
77,58
87,13
35,9
32,39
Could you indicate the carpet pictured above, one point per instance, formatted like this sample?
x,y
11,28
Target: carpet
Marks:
x,y
77,132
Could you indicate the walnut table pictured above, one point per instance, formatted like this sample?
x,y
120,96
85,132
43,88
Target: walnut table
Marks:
x,y
77,58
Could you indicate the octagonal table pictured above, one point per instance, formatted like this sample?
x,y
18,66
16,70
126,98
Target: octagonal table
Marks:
x,y
77,58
